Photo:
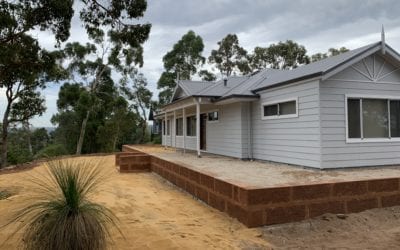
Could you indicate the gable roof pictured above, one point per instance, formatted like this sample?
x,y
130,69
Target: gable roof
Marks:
x,y
313,69
250,85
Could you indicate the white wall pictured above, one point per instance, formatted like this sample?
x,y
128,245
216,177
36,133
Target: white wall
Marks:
x,y
336,153
289,140
227,136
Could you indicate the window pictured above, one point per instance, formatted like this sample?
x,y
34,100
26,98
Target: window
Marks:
x,y
395,118
191,126
179,126
156,128
168,127
373,118
163,127
283,109
213,116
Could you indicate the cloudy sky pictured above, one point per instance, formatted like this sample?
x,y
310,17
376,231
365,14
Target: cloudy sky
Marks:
x,y
318,25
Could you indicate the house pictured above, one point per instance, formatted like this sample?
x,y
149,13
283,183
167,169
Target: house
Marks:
x,y
343,111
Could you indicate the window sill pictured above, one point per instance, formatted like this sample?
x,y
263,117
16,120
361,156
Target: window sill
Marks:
x,y
366,140
274,117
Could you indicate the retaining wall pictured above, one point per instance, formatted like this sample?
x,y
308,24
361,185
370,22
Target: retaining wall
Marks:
x,y
265,206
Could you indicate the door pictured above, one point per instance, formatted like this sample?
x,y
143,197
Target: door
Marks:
x,y
203,133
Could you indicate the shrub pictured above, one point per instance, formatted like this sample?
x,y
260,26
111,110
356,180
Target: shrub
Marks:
x,y
156,139
51,151
17,155
62,216
4,194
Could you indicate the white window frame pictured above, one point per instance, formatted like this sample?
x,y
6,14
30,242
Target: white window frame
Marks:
x,y
187,116
183,130
272,117
366,140
211,111
168,132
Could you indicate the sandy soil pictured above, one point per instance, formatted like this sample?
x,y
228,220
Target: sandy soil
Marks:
x,y
153,213
259,174
156,215
371,229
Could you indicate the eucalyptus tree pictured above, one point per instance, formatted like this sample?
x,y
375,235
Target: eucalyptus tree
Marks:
x,y
134,86
182,63
230,57
331,52
259,58
207,75
286,55
119,126
25,66
24,69
89,73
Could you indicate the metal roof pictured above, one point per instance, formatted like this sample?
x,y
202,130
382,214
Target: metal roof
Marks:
x,y
249,85
313,69
193,87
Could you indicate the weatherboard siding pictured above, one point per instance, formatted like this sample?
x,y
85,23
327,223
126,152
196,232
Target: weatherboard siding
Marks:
x,y
225,137
190,142
289,140
335,151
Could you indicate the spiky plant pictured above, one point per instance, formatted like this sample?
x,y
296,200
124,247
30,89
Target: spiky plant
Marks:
x,y
62,216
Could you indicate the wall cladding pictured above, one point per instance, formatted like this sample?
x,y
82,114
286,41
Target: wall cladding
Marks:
x,y
267,206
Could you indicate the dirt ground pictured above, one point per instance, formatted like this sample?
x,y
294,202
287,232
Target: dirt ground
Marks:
x,y
154,214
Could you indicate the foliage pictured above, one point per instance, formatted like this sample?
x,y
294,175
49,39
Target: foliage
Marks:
x,y
111,123
51,150
18,154
286,55
32,67
182,62
39,139
259,59
4,194
24,144
140,97
207,75
18,148
230,57
24,67
156,139
331,52
118,128
185,56
61,215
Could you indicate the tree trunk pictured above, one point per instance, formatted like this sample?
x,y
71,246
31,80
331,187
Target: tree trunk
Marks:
x,y
144,127
115,139
4,139
82,134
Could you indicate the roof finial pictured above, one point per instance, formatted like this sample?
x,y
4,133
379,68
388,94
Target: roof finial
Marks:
x,y
383,46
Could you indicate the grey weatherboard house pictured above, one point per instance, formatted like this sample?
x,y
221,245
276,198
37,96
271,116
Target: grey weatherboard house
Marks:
x,y
343,111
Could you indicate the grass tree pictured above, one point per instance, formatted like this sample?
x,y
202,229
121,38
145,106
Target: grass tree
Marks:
x,y
62,215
